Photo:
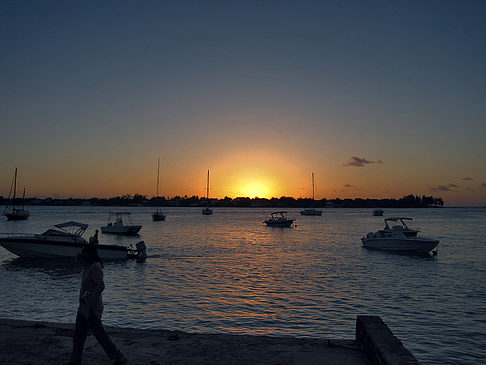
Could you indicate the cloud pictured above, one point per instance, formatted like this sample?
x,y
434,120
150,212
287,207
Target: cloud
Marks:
x,y
356,161
449,187
467,179
348,186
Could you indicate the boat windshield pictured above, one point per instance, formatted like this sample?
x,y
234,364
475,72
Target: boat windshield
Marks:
x,y
70,228
117,218
398,222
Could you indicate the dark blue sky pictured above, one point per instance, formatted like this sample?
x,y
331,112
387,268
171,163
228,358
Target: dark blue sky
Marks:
x,y
96,82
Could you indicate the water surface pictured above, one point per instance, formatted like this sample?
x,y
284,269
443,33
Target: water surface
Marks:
x,y
228,273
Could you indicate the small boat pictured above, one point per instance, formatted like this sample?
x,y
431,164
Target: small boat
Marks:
x,y
278,219
378,212
116,225
312,211
65,240
399,237
158,216
207,211
16,214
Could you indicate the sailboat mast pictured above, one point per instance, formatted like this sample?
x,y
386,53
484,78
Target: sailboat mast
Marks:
x,y
158,173
207,188
313,186
15,188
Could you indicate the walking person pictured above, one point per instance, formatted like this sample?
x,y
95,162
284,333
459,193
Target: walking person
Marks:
x,y
91,308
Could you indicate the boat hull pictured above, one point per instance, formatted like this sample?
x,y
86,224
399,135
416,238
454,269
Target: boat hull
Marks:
x,y
311,212
158,217
129,230
17,216
56,249
286,223
421,245
207,211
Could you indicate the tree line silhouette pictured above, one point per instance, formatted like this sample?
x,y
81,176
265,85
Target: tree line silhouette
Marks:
x,y
409,201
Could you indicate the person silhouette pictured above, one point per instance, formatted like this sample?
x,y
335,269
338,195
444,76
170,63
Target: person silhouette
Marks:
x,y
90,308
94,238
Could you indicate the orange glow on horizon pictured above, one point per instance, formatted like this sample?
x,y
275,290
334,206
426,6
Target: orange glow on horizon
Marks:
x,y
254,189
262,174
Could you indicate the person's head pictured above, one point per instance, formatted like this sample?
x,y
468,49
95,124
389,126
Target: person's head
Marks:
x,y
88,255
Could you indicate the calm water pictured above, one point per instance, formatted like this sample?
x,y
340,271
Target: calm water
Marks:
x,y
229,273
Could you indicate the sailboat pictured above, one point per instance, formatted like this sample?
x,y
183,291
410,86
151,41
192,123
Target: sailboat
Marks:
x,y
158,216
312,211
207,211
16,214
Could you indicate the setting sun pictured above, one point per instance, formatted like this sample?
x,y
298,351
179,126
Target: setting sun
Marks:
x,y
261,173
254,189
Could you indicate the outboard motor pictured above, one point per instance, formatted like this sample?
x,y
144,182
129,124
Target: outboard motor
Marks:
x,y
141,252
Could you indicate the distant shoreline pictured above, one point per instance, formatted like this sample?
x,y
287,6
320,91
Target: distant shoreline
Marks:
x,y
409,201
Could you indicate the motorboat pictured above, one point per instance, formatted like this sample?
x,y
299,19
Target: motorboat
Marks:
x,y
378,212
399,237
16,214
116,225
278,219
207,211
65,240
312,211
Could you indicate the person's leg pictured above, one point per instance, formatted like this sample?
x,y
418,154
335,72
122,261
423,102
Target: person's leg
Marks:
x,y
79,338
103,338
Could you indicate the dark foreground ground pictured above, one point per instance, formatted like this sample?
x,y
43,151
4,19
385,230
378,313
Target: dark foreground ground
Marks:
x,y
29,342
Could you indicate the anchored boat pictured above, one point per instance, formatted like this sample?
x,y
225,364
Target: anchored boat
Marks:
x,y
278,219
207,210
16,214
65,240
158,216
312,211
117,226
399,237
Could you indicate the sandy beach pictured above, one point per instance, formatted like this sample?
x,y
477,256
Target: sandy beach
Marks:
x,y
30,342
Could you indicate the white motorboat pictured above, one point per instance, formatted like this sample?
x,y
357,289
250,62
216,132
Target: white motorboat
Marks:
x,y
312,211
63,241
399,237
278,219
117,226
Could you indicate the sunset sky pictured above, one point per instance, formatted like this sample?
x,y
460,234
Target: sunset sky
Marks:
x,y
379,99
